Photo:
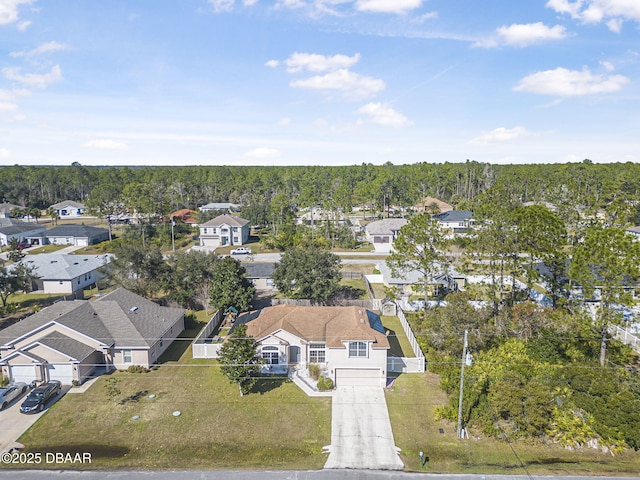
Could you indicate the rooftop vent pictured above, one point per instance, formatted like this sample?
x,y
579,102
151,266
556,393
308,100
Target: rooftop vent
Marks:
x,y
133,309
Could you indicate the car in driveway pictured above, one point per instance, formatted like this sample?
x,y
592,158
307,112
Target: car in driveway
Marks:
x,y
241,251
39,396
12,391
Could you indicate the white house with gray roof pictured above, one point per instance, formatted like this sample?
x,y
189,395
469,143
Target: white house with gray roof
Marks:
x,y
383,233
13,229
75,340
65,274
71,234
224,230
69,209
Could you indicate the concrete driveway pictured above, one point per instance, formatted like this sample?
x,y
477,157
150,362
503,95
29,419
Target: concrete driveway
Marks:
x,y
14,423
361,435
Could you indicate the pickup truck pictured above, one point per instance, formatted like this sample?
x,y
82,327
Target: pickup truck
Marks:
x,y
241,251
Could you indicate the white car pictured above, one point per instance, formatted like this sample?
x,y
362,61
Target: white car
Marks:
x,y
241,251
11,392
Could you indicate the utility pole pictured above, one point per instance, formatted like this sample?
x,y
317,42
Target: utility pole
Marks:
x,y
464,360
173,237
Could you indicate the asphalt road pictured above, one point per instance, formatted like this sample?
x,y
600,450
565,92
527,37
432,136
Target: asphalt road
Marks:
x,y
273,475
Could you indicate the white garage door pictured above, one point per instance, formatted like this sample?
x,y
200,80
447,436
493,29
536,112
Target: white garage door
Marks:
x,y
23,373
82,242
64,373
358,377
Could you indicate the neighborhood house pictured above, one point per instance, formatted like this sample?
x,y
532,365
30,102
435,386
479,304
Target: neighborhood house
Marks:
x,y
69,208
75,340
382,233
224,230
72,234
348,343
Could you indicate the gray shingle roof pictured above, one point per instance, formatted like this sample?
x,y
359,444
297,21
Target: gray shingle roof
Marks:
x,y
67,345
75,230
454,216
67,203
226,220
9,226
110,320
386,226
259,270
57,266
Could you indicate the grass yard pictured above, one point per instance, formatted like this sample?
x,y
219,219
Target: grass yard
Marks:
x,y
400,346
411,401
276,427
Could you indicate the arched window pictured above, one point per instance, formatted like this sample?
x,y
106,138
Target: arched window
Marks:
x,y
271,354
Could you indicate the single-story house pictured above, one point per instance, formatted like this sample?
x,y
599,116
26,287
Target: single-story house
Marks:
x,y
444,280
10,229
64,274
260,274
432,205
348,343
69,208
73,341
224,230
6,208
71,234
225,206
382,233
455,221
635,231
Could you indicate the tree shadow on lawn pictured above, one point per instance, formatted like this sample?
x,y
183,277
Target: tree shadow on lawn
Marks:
x,y
347,292
267,383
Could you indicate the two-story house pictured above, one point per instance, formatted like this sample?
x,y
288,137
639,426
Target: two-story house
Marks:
x,y
224,230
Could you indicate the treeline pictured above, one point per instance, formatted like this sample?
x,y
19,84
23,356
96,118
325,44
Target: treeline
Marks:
x,y
586,184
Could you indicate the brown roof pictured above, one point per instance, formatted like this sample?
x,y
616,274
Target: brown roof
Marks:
x,y
443,206
332,325
186,215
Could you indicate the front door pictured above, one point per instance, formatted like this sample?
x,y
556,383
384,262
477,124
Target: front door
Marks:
x,y
294,354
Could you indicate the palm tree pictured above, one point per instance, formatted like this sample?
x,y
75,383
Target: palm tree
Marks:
x,y
53,214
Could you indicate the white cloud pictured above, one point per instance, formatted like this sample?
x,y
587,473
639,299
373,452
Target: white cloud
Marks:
x,y
425,16
608,66
227,5
36,80
106,144
500,135
4,153
52,46
562,82
9,10
349,83
22,26
314,62
382,114
388,6
283,122
522,35
8,107
272,63
596,11
262,153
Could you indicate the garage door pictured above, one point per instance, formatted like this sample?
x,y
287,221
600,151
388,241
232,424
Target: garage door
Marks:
x,y
64,373
23,373
82,242
358,377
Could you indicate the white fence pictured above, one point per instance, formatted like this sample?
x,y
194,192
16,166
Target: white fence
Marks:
x,y
625,337
202,345
411,365
406,364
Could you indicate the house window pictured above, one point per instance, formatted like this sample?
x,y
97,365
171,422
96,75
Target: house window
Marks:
x,y
270,354
357,349
235,229
213,230
127,357
317,353
235,239
204,231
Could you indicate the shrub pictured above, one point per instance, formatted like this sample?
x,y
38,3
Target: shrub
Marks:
x,y
314,371
325,384
4,381
137,369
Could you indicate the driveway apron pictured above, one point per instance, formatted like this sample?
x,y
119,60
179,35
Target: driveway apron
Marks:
x,y
361,435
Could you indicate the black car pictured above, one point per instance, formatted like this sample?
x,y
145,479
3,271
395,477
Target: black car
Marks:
x,y
39,396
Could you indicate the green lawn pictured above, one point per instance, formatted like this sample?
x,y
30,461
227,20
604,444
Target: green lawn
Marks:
x,y
400,346
411,400
277,427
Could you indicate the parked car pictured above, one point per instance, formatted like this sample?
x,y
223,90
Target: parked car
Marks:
x,y
39,396
241,251
12,391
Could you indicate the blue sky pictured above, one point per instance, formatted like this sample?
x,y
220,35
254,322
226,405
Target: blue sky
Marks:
x,y
318,82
